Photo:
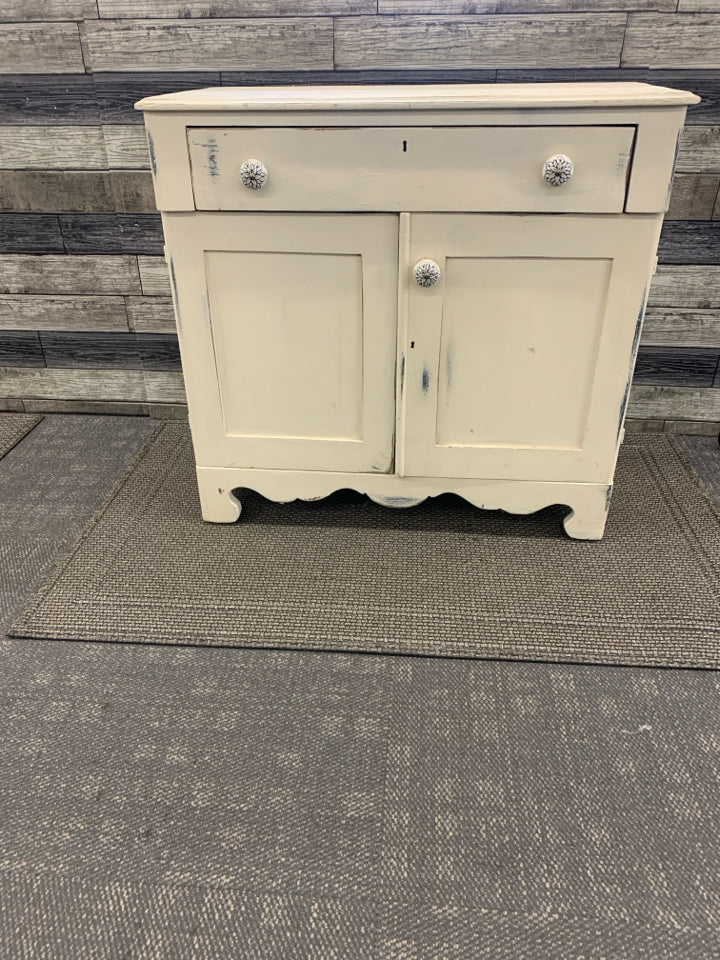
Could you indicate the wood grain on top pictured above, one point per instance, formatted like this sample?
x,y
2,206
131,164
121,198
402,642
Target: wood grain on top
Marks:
x,y
420,97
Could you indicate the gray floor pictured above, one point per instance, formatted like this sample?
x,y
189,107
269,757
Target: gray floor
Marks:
x,y
220,803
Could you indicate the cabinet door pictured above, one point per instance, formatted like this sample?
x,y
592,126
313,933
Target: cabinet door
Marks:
x,y
518,359
287,327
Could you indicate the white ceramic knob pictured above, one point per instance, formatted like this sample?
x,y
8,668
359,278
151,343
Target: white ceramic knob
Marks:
x,y
558,170
253,174
426,273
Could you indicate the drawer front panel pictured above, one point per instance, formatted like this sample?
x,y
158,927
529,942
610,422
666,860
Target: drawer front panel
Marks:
x,y
490,169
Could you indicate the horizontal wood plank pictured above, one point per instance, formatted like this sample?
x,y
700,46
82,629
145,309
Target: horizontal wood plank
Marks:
x,y
667,40
573,75
85,350
485,41
22,273
693,196
40,48
168,411
49,100
154,276
24,10
7,406
30,233
151,314
674,326
163,387
48,148
132,191
437,6
698,428
73,384
699,150
77,191
676,366
437,74
29,312
701,6
112,233
115,408
117,93
143,9
296,43
687,287
20,349
571,6
673,403
519,6
126,146
690,241
159,351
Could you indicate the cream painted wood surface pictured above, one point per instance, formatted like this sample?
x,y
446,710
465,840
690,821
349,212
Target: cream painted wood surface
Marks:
x,y
293,317
448,96
395,168
313,359
518,358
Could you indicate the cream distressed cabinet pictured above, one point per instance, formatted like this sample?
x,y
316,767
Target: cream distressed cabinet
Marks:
x,y
412,290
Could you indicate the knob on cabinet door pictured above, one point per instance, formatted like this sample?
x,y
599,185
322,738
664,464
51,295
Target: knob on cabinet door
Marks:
x,y
426,273
253,174
558,170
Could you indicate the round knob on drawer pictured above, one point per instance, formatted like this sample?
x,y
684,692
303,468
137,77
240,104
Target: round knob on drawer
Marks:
x,y
426,273
558,170
253,174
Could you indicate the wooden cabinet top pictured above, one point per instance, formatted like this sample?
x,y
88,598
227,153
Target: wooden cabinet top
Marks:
x,y
463,96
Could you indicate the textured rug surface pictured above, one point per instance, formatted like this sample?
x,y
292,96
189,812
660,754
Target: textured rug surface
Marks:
x,y
194,803
13,427
442,579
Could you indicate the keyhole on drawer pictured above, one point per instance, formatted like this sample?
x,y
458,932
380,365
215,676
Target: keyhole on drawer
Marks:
x,y
404,146
412,344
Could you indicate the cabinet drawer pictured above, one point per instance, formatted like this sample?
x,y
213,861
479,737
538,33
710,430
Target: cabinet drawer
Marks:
x,y
411,168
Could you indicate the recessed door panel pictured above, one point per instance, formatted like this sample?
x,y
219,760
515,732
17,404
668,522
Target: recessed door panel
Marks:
x,y
288,335
502,378
518,358
290,324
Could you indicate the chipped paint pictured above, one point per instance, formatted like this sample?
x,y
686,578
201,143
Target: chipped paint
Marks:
x,y
176,297
633,358
608,497
151,151
212,155
402,372
672,172
425,380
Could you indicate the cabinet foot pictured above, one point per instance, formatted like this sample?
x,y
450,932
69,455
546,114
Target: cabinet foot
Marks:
x,y
219,505
587,519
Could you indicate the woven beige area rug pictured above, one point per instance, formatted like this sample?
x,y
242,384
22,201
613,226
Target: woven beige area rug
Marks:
x,y
13,427
441,579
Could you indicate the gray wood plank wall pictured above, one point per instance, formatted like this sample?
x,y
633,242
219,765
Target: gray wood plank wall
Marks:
x,y
85,302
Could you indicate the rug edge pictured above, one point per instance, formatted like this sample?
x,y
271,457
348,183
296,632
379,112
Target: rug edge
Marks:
x,y
38,598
